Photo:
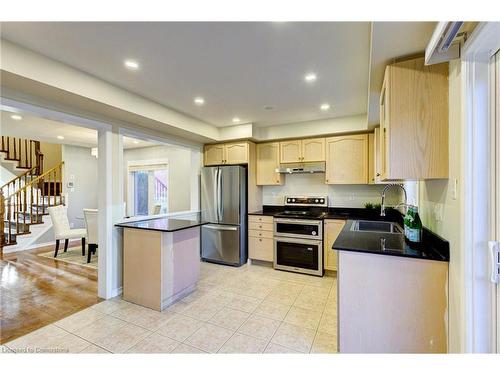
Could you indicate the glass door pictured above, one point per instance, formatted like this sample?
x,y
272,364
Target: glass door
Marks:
x,y
149,190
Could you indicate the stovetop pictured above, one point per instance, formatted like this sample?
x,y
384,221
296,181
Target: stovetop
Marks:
x,y
304,207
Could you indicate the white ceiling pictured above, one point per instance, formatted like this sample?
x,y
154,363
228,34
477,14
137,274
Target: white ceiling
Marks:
x,y
237,67
44,130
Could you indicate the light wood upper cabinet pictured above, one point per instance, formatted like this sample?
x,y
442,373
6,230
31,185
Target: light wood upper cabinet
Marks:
x,y
268,159
332,229
371,158
291,151
414,121
347,159
313,149
302,150
236,153
376,156
227,153
214,154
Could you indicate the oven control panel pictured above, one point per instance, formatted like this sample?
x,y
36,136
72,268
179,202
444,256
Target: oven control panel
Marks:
x,y
306,201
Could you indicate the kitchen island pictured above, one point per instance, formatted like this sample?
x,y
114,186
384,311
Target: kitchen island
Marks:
x,y
161,260
394,294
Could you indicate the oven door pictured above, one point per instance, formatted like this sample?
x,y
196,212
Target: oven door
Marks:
x,y
298,255
297,228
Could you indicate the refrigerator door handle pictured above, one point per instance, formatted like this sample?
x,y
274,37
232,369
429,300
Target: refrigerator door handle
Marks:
x,y
221,227
219,198
216,194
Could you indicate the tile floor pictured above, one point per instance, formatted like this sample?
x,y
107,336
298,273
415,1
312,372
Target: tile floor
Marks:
x,y
251,309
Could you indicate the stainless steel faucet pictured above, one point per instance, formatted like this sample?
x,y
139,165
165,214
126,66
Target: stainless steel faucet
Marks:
x,y
382,205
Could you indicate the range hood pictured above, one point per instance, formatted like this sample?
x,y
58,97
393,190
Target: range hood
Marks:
x,y
302,168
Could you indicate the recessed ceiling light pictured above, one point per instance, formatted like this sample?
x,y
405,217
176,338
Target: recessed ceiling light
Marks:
x,y
16,117
236,119
60,137
325,106
136,142
199,100
131,64
310,77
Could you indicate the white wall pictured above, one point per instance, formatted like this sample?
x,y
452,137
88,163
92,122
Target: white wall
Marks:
x,y
338,195
179,172
5,175
81,168
312,128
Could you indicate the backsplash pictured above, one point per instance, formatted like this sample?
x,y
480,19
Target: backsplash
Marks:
x,y
338,195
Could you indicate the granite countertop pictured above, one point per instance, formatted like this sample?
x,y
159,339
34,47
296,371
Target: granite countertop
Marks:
x,y
432,246
163,224
341,213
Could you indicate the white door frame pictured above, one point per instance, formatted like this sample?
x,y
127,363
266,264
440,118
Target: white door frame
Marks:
x,y
479,293
495,139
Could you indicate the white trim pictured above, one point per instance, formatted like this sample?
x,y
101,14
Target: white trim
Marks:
x,y
495,156
478,292
104,267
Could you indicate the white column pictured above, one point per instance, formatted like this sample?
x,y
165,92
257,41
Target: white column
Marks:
x,y
195,179
110,202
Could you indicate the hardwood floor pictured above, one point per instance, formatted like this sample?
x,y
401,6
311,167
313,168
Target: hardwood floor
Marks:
x,y
37,291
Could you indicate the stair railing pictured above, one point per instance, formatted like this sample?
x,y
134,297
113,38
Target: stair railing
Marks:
x,y
19,181
28,156
28,204
25,151
2,224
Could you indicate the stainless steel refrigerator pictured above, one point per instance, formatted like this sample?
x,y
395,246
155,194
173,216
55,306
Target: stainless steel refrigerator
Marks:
x,y
224,207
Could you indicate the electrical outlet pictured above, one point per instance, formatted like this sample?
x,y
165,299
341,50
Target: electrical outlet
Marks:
x,y
71,225
438,211
351,197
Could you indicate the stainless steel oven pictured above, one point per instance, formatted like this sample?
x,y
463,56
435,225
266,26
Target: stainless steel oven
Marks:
x,y
298,245
298,255
298,228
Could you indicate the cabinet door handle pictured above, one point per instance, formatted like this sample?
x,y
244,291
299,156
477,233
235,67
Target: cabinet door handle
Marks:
x,y
378,174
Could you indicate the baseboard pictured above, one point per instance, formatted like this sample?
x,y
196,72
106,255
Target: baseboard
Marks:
x,y
117,292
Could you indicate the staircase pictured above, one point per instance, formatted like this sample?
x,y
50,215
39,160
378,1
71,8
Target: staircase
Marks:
x,y
24,200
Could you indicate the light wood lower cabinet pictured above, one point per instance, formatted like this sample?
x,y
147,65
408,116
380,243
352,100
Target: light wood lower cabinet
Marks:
x,y
260,238
347,159
397,304
331,230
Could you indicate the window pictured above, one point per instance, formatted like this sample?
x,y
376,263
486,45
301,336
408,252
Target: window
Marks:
x,y
148,188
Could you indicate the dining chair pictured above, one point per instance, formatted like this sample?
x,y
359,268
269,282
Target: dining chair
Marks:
x,y
91,222
62,229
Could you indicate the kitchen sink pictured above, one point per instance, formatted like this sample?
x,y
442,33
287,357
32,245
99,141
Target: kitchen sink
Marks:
x,y
375,226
